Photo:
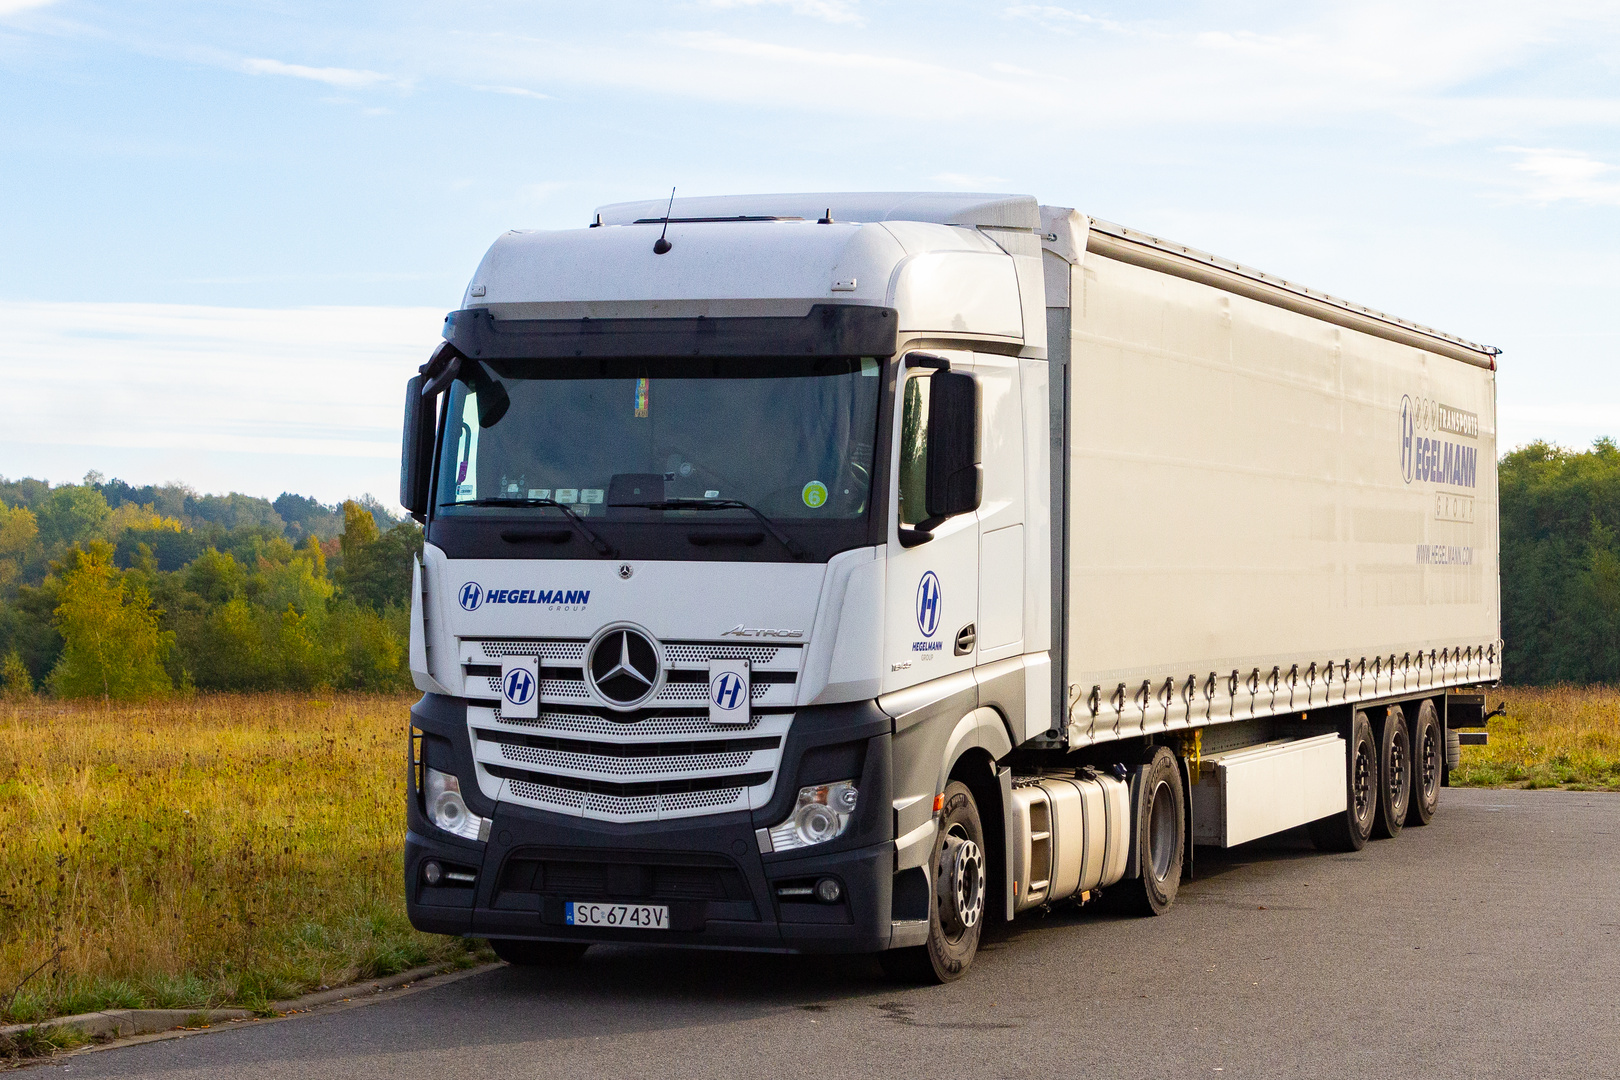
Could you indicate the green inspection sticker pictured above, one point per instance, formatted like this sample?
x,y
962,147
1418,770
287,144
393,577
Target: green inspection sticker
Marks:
x,y
814,494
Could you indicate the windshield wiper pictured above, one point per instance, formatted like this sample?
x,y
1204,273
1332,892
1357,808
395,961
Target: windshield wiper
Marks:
x,y
721,504
573,519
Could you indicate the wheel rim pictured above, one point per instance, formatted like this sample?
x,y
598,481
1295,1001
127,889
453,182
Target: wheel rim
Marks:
x,y
1397,779
1362,788
1161,831
1429,761
961,883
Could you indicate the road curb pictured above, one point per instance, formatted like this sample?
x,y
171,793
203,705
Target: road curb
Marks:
x,y
111,1024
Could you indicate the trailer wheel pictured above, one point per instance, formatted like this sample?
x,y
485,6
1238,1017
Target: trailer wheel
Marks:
x,y
1428,765
956,909
1349,829
521,953
1394,774
1161,837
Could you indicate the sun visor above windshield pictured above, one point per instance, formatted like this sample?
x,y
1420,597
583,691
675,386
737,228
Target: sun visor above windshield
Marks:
x,y
828,330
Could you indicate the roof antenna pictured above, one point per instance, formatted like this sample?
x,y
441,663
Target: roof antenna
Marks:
x,y
661,245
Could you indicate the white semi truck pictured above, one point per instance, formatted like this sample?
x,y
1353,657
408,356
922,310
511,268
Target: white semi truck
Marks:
x,y
842,572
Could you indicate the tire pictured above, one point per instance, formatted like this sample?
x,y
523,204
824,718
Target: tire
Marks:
x,y
956,908
1428,765
1159,839
1394,774
1349,829
538,953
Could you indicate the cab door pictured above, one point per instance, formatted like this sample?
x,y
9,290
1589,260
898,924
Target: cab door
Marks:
x,y
933,575
999,633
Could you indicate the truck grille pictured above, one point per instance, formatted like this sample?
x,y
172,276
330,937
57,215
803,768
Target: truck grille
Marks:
x,y
664,760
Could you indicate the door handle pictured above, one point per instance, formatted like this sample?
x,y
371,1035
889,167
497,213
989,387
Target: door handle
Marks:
x,y
966,638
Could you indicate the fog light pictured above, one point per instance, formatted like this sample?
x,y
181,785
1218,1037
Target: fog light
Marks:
x,y
432,872
822,813
447,809
828,891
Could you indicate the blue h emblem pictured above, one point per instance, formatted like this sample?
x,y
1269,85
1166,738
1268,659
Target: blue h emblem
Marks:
x,y
519,686
930,598
727,691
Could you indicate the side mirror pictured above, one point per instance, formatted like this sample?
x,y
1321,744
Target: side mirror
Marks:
x,y
940,474
416,448
955,477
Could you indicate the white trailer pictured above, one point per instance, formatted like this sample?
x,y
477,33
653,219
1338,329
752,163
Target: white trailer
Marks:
x,y
838,572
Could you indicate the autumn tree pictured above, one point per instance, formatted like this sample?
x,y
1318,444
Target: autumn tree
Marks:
x,y
113,647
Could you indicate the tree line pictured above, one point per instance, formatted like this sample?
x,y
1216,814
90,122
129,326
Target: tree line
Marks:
x,y
119,592
112,591
1561,564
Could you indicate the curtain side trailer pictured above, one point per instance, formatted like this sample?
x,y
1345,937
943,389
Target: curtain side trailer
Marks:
x,y
841,572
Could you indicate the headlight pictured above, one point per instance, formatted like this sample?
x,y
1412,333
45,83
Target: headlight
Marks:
x,y
446,809
822,813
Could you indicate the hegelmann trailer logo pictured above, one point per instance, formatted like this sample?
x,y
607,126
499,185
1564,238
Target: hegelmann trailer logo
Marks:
x,y
473,596
1432,460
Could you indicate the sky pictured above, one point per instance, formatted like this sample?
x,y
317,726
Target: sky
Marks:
x,y
229,230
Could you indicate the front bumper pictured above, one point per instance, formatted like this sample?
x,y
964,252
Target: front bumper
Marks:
x,y
720,890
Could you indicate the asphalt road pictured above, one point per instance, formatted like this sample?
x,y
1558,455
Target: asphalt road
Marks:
x,y
1487,944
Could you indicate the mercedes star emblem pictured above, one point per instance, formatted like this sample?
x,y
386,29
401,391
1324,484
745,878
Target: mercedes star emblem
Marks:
x,y
624,667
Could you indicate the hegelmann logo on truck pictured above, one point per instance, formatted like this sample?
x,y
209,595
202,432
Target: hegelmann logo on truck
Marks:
x,y
473,595
1437,461
928,604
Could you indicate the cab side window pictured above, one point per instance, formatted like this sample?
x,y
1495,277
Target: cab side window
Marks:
x,y
914,451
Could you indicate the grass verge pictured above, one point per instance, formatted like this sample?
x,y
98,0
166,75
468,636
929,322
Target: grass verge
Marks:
x,y
1552,737
212,851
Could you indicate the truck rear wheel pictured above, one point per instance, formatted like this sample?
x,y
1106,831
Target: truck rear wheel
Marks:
x,y
1394,773
1160,837
956,910
538,953
1349,829
1428,765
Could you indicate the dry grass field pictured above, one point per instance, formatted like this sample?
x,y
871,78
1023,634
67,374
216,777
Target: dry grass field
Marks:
x,y
210,850
1562,736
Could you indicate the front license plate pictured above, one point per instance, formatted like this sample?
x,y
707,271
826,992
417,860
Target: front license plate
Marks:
x,y
631,916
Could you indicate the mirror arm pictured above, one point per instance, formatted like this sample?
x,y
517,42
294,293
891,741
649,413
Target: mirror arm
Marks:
x,y
921,534
441,369
927,360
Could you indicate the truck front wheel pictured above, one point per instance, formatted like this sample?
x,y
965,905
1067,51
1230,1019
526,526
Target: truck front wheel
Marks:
x,y
1349,829
956,909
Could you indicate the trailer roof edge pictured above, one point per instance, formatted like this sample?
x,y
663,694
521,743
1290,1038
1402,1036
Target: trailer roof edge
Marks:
x,y
1128,245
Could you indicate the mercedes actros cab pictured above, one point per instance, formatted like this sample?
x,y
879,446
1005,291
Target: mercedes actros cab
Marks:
x,y
844,572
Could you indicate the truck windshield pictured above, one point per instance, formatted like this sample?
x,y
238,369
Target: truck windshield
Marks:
x,y
790,437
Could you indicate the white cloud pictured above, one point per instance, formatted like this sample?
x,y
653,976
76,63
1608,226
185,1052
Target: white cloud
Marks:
x,y
331,76
1061,19
1556,175
13,7
833,11
253,399
514,91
